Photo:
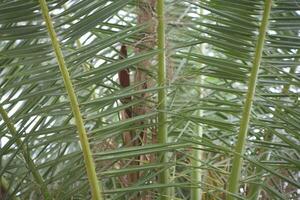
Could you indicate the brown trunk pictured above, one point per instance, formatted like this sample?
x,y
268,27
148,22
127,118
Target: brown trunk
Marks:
x,y
124,79
128,136
3,191
145,14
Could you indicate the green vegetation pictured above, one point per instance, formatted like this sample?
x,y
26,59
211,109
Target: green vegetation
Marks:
x,y
149,99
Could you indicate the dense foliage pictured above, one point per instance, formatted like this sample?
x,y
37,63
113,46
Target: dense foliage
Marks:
x,y
220,57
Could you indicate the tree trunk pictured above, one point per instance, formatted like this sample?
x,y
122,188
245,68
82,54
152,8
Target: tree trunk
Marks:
x,y
145,14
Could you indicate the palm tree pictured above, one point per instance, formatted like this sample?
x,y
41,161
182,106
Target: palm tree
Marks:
x,y
135,99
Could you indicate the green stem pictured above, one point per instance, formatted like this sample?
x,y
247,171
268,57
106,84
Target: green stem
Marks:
x,y
240,145
89,162
29,162
196,179
162,117
196,192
